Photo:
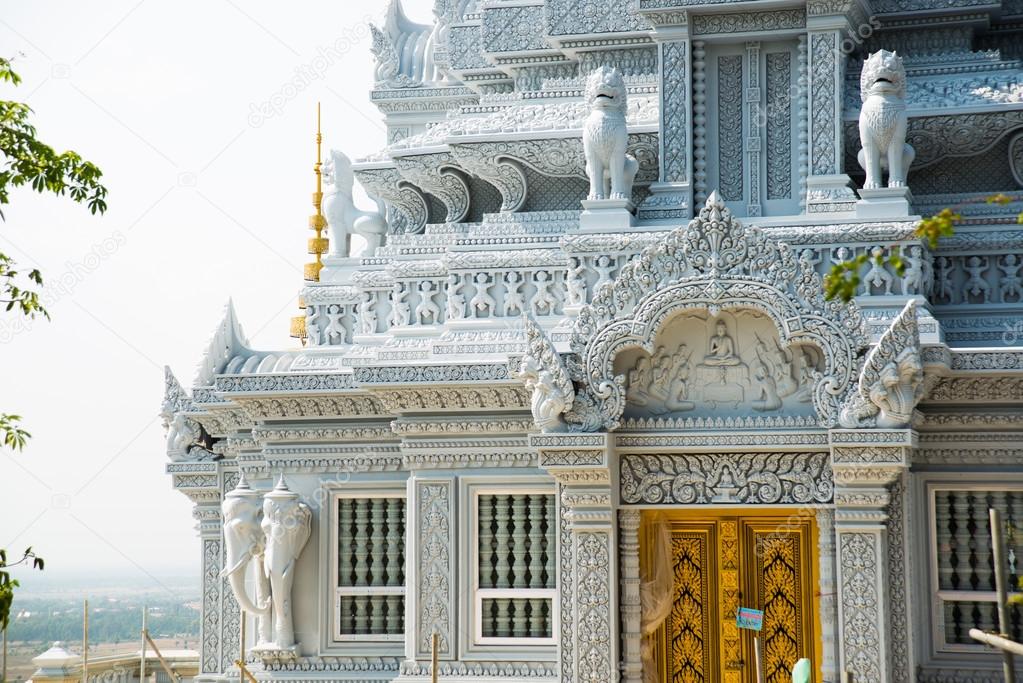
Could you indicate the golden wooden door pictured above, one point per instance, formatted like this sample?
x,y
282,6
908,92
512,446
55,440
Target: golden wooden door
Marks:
x,y
760,560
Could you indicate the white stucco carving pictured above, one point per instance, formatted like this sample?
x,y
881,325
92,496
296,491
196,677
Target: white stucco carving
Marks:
x,y
891,382
610,169
545,377
883,121
343,217
287,523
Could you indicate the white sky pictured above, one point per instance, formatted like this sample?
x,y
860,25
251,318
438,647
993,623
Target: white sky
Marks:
x,y
204,205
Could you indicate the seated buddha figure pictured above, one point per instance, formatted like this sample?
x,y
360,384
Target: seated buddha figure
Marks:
x,y
722,348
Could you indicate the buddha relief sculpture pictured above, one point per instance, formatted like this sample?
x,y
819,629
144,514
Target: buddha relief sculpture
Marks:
x,y
766,387
639,379
722,348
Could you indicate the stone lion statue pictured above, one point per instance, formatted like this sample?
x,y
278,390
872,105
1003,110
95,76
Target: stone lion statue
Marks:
x,y
344,218
610,169
883,121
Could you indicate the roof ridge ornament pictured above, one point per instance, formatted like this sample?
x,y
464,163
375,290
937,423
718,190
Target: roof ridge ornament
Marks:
x,y
227,341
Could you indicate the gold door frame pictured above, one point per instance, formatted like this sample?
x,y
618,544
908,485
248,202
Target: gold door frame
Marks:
x,y
715,551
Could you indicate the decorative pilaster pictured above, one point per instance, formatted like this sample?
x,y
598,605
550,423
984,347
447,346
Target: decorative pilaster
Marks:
x,y
671,197
631,605
828,593
753,143
589,570
827,186
866,463
430,605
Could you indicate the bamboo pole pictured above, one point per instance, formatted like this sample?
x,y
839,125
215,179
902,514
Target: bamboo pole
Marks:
x,y
142,658
4,675
433,657
85,641
241,648
998,553
163,662
997,641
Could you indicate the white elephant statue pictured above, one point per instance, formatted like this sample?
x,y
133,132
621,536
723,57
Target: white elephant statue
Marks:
x,y
287,523
244,542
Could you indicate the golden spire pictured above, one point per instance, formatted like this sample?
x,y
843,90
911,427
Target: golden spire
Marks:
x,y
317,245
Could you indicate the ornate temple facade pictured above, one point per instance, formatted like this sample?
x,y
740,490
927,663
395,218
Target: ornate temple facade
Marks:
x,y
572,393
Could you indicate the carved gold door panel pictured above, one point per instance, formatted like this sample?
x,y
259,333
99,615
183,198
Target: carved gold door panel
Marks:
x,y
756,560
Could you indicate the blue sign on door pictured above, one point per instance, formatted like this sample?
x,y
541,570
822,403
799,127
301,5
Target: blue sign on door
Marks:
x,y
752,619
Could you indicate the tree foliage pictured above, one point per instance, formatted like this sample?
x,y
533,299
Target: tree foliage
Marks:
x,y
27,161
7,584
843,279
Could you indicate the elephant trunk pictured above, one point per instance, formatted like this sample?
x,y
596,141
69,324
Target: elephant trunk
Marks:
x,y
237,582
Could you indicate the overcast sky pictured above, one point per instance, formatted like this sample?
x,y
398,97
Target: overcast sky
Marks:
x,y
201,114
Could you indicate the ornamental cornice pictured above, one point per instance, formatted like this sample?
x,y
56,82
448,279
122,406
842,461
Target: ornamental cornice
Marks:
x,y
866,476
330,294
425,444
431,374
990,361
747,22
318,433
473,425
540,671
438,174
333,664
338,465
518,258
483,397
971,455
373,279
723,440
609,243
469,459
190,467
290,382
298,407
417,269
979,418
224,419
868,232
993,389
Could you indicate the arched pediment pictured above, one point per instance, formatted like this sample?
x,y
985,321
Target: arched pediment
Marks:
x,y
717,271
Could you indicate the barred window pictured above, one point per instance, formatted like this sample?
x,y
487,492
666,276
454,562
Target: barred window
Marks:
x,y
516,574
963,564
370,600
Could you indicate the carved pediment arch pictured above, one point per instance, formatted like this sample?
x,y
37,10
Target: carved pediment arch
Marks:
x,y
716,266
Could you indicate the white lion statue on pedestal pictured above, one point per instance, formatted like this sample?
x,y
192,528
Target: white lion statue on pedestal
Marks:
x,y
883,121
610,169
343,217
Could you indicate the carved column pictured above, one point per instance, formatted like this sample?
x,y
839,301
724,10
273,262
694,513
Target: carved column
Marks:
x,y
588,575
671,197
631,605
866,464
202,483
827,185
430,605
828,592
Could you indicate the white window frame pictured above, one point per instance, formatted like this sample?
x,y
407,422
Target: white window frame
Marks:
x,y
339,591
939,597
478,595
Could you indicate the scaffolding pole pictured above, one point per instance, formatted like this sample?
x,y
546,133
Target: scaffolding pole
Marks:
x,y
142,658
85,641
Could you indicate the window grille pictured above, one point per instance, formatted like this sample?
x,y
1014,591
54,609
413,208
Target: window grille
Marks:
x,y
371,568
516,576
963,562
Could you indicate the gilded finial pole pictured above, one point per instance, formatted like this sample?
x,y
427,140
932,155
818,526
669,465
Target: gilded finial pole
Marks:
x,y
318,245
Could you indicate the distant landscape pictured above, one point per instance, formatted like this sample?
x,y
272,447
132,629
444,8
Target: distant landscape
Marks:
x,y
49,609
